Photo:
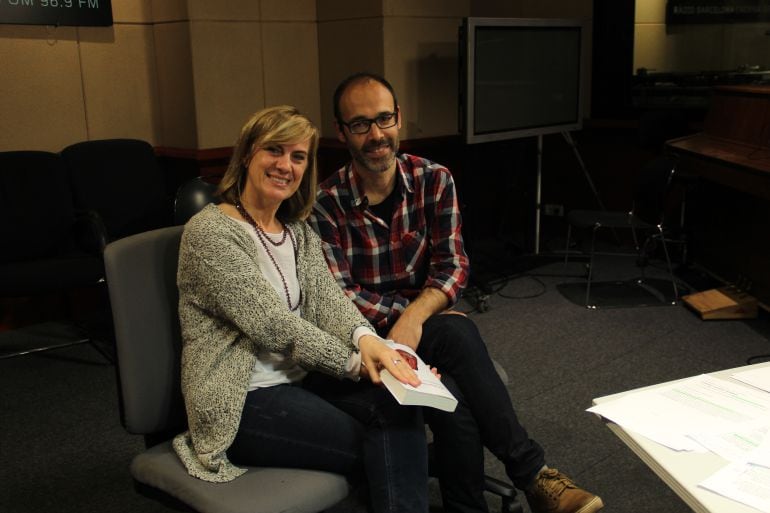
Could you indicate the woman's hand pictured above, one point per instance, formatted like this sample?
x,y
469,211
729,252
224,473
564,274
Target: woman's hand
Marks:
x,y
376,355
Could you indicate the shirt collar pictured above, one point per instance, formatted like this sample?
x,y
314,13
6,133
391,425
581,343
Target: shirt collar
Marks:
x,y
358,198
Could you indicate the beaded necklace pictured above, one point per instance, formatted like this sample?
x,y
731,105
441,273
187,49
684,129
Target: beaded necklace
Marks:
x,y
262,237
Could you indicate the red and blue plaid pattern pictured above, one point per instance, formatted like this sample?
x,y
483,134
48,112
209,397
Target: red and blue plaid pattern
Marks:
x,y
380,265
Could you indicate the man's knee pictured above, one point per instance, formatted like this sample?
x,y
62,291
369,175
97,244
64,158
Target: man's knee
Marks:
x,y
458,330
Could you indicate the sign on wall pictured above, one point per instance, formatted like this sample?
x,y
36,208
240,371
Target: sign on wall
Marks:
x,y
94,13
717,11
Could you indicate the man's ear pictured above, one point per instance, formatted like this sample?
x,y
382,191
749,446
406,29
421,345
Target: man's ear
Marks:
x,y
400,116
340,132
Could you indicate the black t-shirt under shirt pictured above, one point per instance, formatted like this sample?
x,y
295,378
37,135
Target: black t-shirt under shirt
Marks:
x,y
384,209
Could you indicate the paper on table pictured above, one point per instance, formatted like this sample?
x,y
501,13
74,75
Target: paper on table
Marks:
x,y
750,445
762,455
700,404
759,377
742,482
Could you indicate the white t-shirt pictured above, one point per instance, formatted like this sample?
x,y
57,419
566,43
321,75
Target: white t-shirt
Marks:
x,y
274,368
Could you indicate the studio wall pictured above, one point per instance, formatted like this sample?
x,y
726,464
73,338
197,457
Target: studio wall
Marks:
x,y
694,48
177,73
185,74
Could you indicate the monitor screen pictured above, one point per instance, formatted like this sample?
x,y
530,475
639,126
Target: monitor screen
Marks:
x,y
522,77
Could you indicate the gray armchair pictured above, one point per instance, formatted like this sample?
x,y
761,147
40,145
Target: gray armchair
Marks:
x,y
141,277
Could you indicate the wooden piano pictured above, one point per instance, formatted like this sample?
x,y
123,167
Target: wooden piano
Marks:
x,y
727,167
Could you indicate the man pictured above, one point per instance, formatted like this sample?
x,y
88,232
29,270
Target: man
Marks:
x,y
392,236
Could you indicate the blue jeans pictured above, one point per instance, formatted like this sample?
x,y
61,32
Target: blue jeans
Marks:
x,y
458,455
343,427
485,415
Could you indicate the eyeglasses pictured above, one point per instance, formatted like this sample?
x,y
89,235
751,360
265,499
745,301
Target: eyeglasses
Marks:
x,y
363,125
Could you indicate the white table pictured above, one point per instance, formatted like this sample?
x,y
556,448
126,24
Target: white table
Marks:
x,y
682,470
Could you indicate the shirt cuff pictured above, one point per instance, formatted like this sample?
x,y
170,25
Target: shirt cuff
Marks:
x,y
360,332
451,292
353,366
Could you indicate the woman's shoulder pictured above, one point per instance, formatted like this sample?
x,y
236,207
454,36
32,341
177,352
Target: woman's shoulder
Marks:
x,y
206,215
211,217
229,210
210,224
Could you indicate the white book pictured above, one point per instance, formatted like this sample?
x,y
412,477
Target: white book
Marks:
x,y
431,391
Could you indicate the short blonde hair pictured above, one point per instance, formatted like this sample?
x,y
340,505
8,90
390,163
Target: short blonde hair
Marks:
x,y
282,124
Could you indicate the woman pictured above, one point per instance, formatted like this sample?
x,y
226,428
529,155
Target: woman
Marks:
x,y
259,309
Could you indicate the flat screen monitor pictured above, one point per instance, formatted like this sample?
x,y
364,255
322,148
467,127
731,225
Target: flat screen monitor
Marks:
x,y
519,77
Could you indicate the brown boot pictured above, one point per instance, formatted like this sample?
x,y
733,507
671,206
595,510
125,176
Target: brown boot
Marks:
x,y
553,492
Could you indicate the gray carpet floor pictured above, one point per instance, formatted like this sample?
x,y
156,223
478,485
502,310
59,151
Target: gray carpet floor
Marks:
x,y
64,450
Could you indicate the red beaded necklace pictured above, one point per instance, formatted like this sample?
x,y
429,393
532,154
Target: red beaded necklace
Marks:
x,y
262,237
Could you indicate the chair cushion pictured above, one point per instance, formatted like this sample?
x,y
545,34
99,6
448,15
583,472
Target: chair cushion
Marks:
x,y
260,490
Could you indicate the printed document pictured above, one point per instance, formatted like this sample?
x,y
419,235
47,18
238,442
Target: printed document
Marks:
x,y
759,377
744,483
730,419
749,445
671,414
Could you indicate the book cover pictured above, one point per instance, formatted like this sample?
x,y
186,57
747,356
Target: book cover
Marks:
x,y
431,391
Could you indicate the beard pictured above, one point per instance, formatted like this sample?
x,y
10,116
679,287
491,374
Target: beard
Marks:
x,y
376,164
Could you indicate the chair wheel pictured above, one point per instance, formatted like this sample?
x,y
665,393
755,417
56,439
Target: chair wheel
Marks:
x,y
482,304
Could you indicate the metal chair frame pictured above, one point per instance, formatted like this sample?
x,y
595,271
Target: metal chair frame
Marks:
x,y
596,220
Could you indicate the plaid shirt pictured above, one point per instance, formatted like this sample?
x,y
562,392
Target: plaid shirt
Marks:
x,y
381,265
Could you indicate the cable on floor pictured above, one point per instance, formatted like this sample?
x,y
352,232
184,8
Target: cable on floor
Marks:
x,y
543,287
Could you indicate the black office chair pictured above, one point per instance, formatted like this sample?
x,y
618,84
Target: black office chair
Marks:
x,y
122,181
191,197
48,247
646,217
141,277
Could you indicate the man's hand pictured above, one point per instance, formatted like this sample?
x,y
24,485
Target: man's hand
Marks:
x,y
407,331
376,355
408,328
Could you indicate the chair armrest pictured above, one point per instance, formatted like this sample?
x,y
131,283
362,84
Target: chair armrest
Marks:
x,y
90,231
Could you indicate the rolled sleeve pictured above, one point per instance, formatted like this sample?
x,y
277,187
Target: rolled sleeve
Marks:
x,y
448,269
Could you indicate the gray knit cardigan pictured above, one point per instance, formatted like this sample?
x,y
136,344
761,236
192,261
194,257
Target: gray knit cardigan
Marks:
x,y
228,312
